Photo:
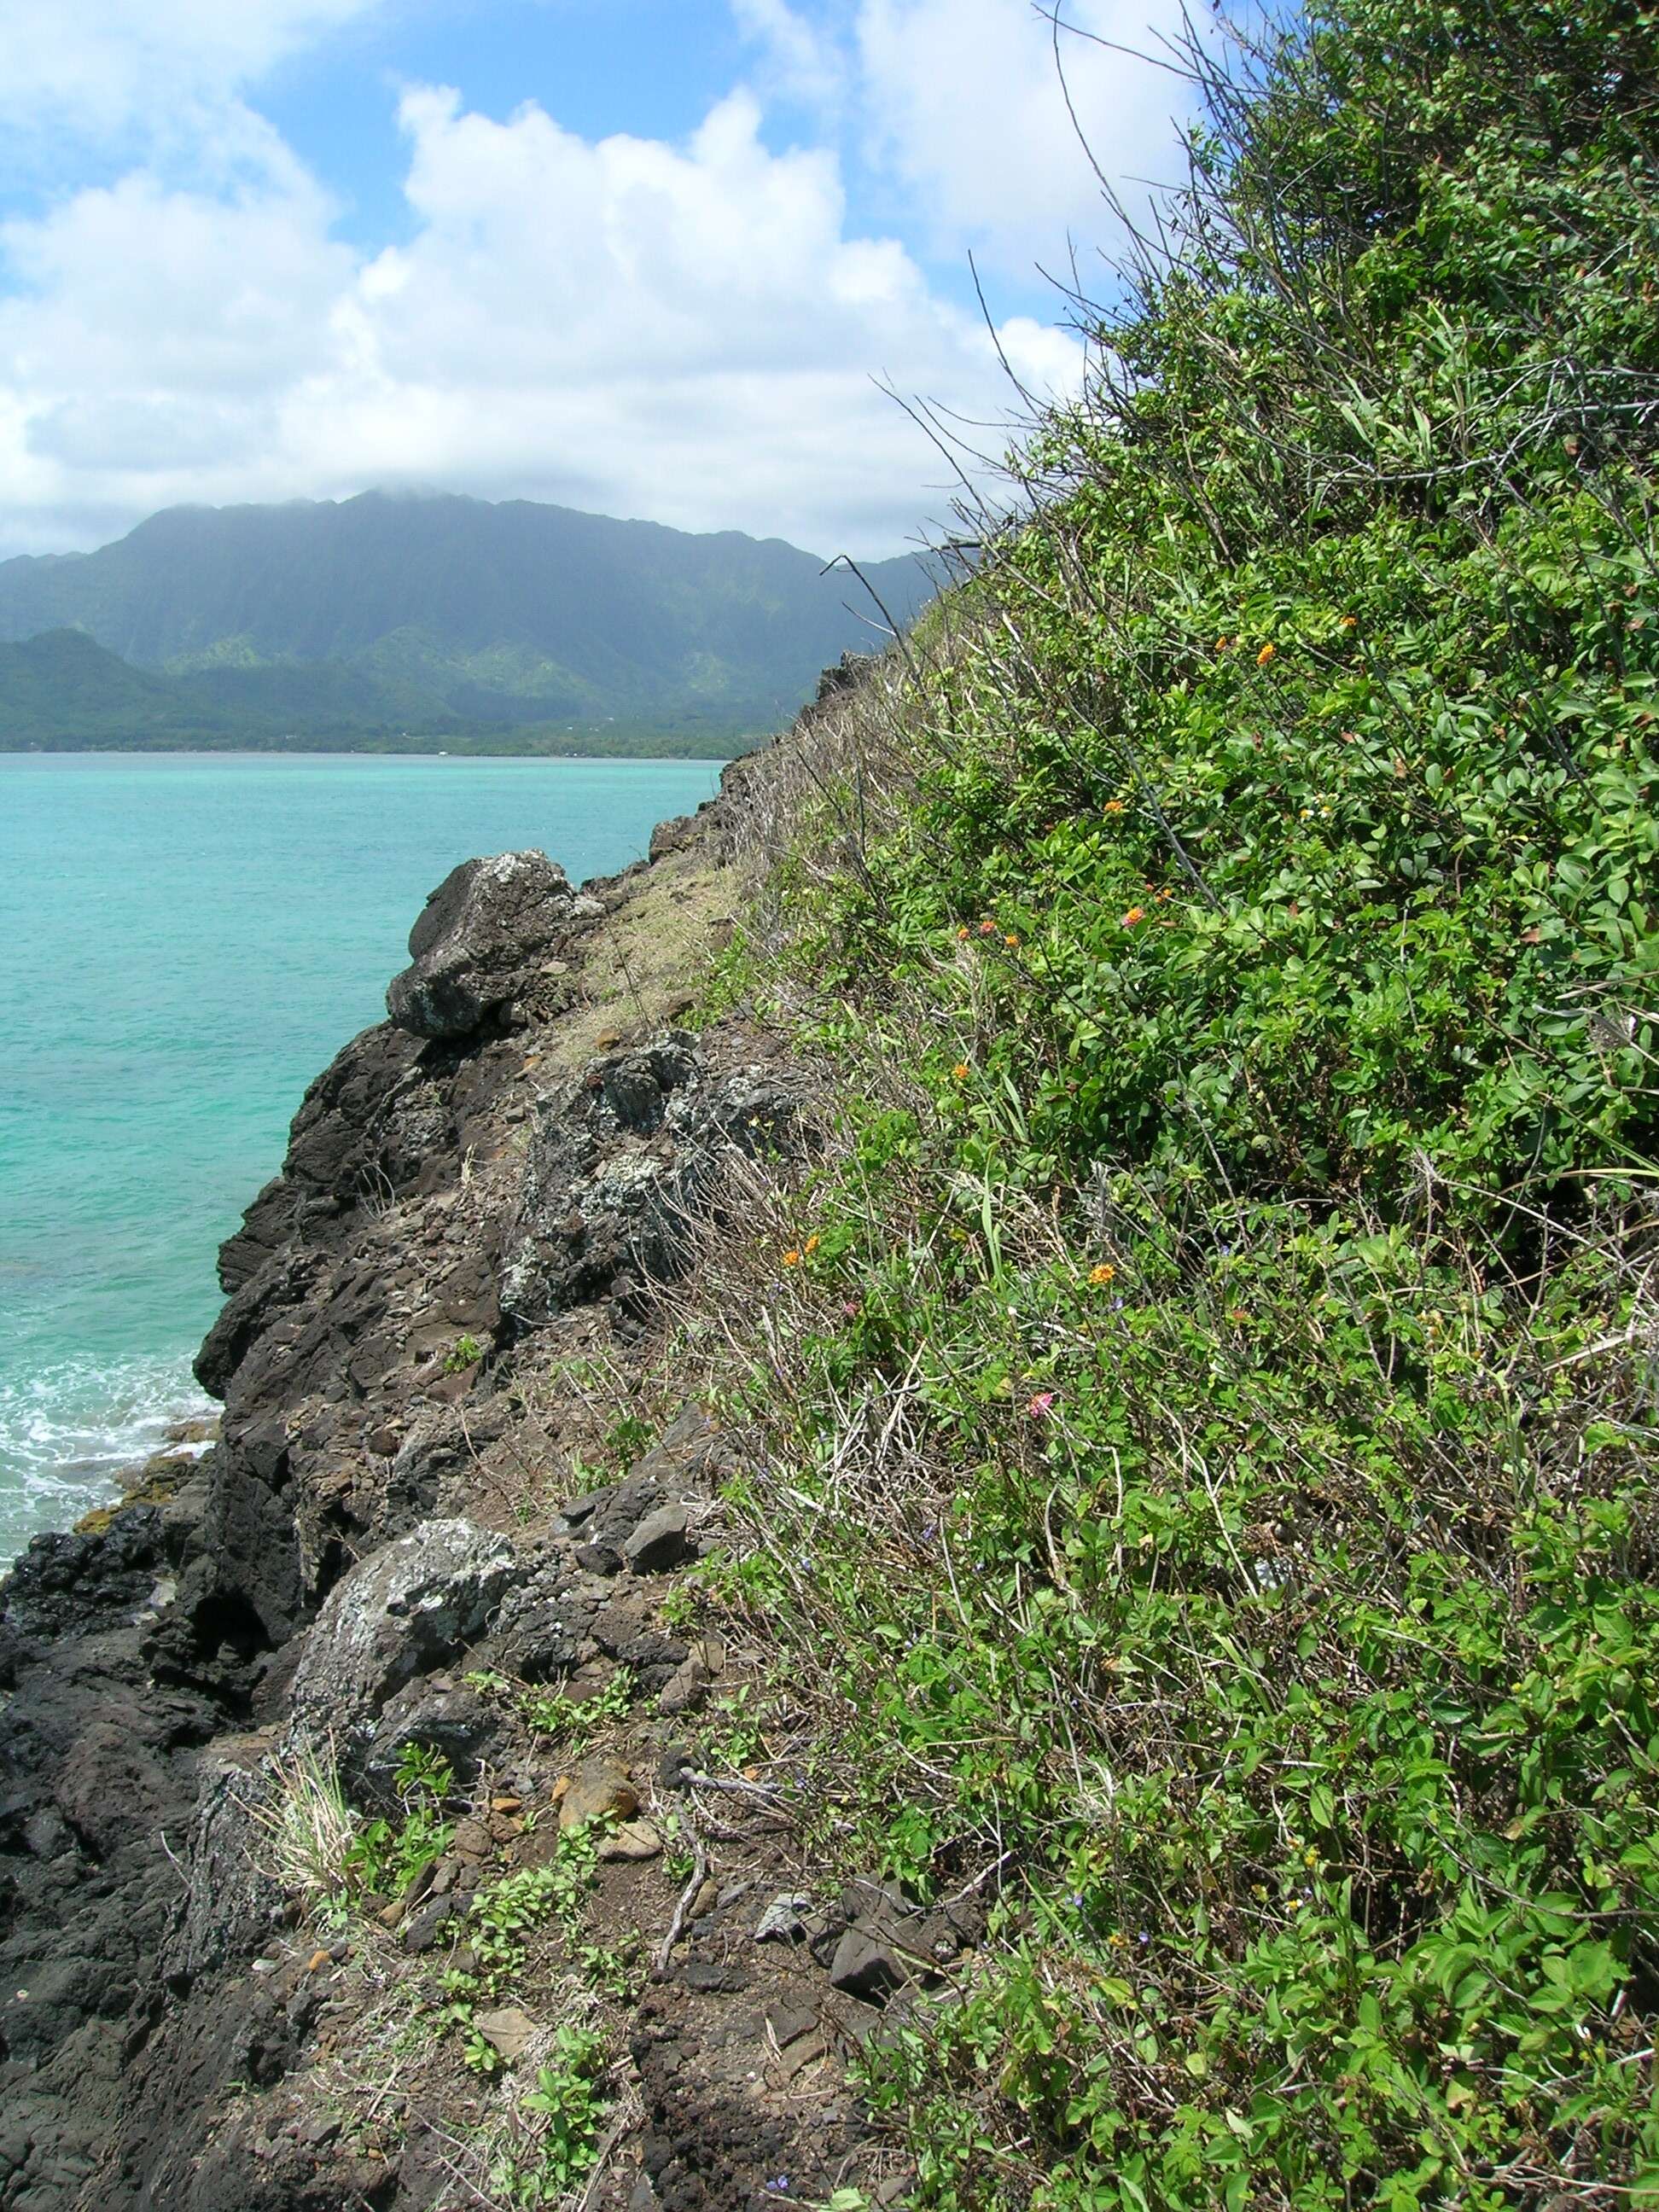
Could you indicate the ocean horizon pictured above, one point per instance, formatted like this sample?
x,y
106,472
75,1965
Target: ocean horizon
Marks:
x,y
194,936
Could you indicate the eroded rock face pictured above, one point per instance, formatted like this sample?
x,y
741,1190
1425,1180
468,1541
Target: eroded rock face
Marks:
x,y
484,928
623,1164
401,1613
322,1577
230,1901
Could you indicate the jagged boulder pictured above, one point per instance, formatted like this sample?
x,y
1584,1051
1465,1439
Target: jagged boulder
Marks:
x,y
621,1164
69,1585
407,1609
476,940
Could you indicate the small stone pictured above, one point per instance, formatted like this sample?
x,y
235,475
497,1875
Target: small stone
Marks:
x,y
685,1688
506,1804
711,1977
865,1968
321,2127
471,1840
672,1767
634,1839
511,2031
599,1790
661,1543
705,1901
784,1918
787,2023
801,2055
424,1929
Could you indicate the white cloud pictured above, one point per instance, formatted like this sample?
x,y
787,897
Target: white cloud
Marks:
x,y
681,331
966,109
803,60
99,67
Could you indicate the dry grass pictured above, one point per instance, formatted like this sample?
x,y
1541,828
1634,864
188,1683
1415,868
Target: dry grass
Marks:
x,y
309,1825
645,962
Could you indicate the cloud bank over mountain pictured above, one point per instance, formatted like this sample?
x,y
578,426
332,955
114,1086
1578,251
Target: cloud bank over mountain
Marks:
x,y
691,328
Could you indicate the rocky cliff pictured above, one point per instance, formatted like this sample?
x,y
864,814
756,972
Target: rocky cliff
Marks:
x,y
367,1834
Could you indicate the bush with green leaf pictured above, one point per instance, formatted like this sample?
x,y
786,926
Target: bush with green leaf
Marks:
x,y
1212,1419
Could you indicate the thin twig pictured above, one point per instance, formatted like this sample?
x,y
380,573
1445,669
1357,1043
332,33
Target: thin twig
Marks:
x,y
699,1875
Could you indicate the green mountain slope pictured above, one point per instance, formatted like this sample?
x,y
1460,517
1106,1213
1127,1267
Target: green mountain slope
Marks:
x,y
441,611
60,690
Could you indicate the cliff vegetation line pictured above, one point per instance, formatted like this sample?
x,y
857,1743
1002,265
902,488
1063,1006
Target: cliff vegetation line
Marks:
x,y
1208,1399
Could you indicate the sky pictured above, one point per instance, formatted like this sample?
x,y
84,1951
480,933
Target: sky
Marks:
x,y
652,258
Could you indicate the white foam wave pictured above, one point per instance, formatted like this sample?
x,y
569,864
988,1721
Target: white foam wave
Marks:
x,y
69,1429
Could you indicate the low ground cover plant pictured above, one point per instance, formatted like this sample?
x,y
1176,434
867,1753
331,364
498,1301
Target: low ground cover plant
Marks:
x,y
1208,1399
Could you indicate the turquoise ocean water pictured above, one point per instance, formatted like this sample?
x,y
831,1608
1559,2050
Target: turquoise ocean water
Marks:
x,y
187,940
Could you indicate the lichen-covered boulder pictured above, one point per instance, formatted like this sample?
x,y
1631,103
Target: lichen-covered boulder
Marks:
x,y
411,1608
477,940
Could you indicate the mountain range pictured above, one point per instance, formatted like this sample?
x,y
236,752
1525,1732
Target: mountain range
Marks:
x,y
387,617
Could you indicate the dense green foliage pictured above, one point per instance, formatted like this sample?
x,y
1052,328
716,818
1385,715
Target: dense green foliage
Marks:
x,y
1214,1394
511,627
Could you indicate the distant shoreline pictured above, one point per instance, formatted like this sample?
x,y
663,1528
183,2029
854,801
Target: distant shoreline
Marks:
x,y
457,749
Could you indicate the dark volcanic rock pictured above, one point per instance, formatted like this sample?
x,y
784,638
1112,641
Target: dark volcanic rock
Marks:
x,y
64,1584
312,1583
230,1903
866,1967
613,1190
661,1542
481,931
97,1763
440,1716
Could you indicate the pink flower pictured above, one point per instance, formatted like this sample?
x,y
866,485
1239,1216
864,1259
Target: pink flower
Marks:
x,y
1043,1403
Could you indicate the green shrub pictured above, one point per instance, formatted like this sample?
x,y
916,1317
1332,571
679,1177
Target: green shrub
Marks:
x,y
385,1858
1211,1420
565,2107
